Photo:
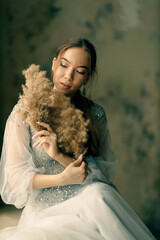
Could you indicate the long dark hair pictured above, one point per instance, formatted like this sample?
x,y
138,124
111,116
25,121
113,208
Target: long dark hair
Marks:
x,y
80,101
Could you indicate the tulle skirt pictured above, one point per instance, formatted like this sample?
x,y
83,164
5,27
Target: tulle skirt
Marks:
x,y
98,212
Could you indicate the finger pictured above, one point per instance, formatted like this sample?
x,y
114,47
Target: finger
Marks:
x,y
80,157
79,160
45,125
44,141
83,165
45,133
88,170
38,141
41,133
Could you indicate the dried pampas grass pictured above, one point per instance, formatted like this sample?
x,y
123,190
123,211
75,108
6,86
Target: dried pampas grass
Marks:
x,y
40,102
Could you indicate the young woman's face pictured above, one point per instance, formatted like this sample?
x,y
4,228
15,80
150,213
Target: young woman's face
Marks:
x,y
71,71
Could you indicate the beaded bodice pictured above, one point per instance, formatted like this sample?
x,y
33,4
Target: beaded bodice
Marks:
x,y
47,165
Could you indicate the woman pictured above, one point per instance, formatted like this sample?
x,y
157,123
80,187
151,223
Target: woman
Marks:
x,y
65,197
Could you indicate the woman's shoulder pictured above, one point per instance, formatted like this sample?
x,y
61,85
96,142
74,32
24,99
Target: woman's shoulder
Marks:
x,y
15,111
98,112
15,115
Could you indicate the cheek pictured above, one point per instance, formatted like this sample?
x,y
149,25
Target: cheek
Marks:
x,y
82,80
58,73
78,84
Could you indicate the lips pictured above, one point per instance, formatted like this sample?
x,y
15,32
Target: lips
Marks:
x,y
65,85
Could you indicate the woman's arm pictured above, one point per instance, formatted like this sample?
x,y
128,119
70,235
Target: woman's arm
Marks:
x,y
17,168
64,159
103,166
18,173
48,139
75,173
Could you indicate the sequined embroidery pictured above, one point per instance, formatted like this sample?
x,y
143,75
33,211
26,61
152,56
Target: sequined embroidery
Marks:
x,y
98,111
50,196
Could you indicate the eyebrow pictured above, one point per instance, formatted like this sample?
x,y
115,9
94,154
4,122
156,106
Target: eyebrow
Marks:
x,y
77,66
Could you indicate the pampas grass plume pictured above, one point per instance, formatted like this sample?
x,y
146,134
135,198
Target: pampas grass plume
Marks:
x,y
40,102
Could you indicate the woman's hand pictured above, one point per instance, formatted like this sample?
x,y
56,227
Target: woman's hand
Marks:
x,y
48,139
75,173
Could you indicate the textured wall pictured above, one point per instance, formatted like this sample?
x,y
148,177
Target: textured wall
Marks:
x,y
126,35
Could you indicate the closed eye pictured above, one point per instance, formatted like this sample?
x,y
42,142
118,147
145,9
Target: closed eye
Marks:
x,y
62,65
82,73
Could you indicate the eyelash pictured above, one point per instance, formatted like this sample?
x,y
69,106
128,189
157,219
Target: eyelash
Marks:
x,y
63,65
82,73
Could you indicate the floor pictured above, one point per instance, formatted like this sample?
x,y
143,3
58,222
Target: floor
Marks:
x,y
9,216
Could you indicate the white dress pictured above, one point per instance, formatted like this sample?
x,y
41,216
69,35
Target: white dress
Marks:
x,y
93,210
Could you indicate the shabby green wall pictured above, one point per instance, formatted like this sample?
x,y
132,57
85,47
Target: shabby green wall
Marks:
x,y
126,36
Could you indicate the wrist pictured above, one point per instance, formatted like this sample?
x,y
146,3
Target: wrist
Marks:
x,y
57,180
58,157
63,159
61,179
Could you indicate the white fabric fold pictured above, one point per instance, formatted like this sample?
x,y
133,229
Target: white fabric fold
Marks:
x,y
16,168
96,212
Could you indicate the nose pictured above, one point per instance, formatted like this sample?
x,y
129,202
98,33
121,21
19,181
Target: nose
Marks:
x,y
69,75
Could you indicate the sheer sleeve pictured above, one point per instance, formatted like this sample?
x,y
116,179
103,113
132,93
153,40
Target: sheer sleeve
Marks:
x,y
109,161
103,167
16,167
